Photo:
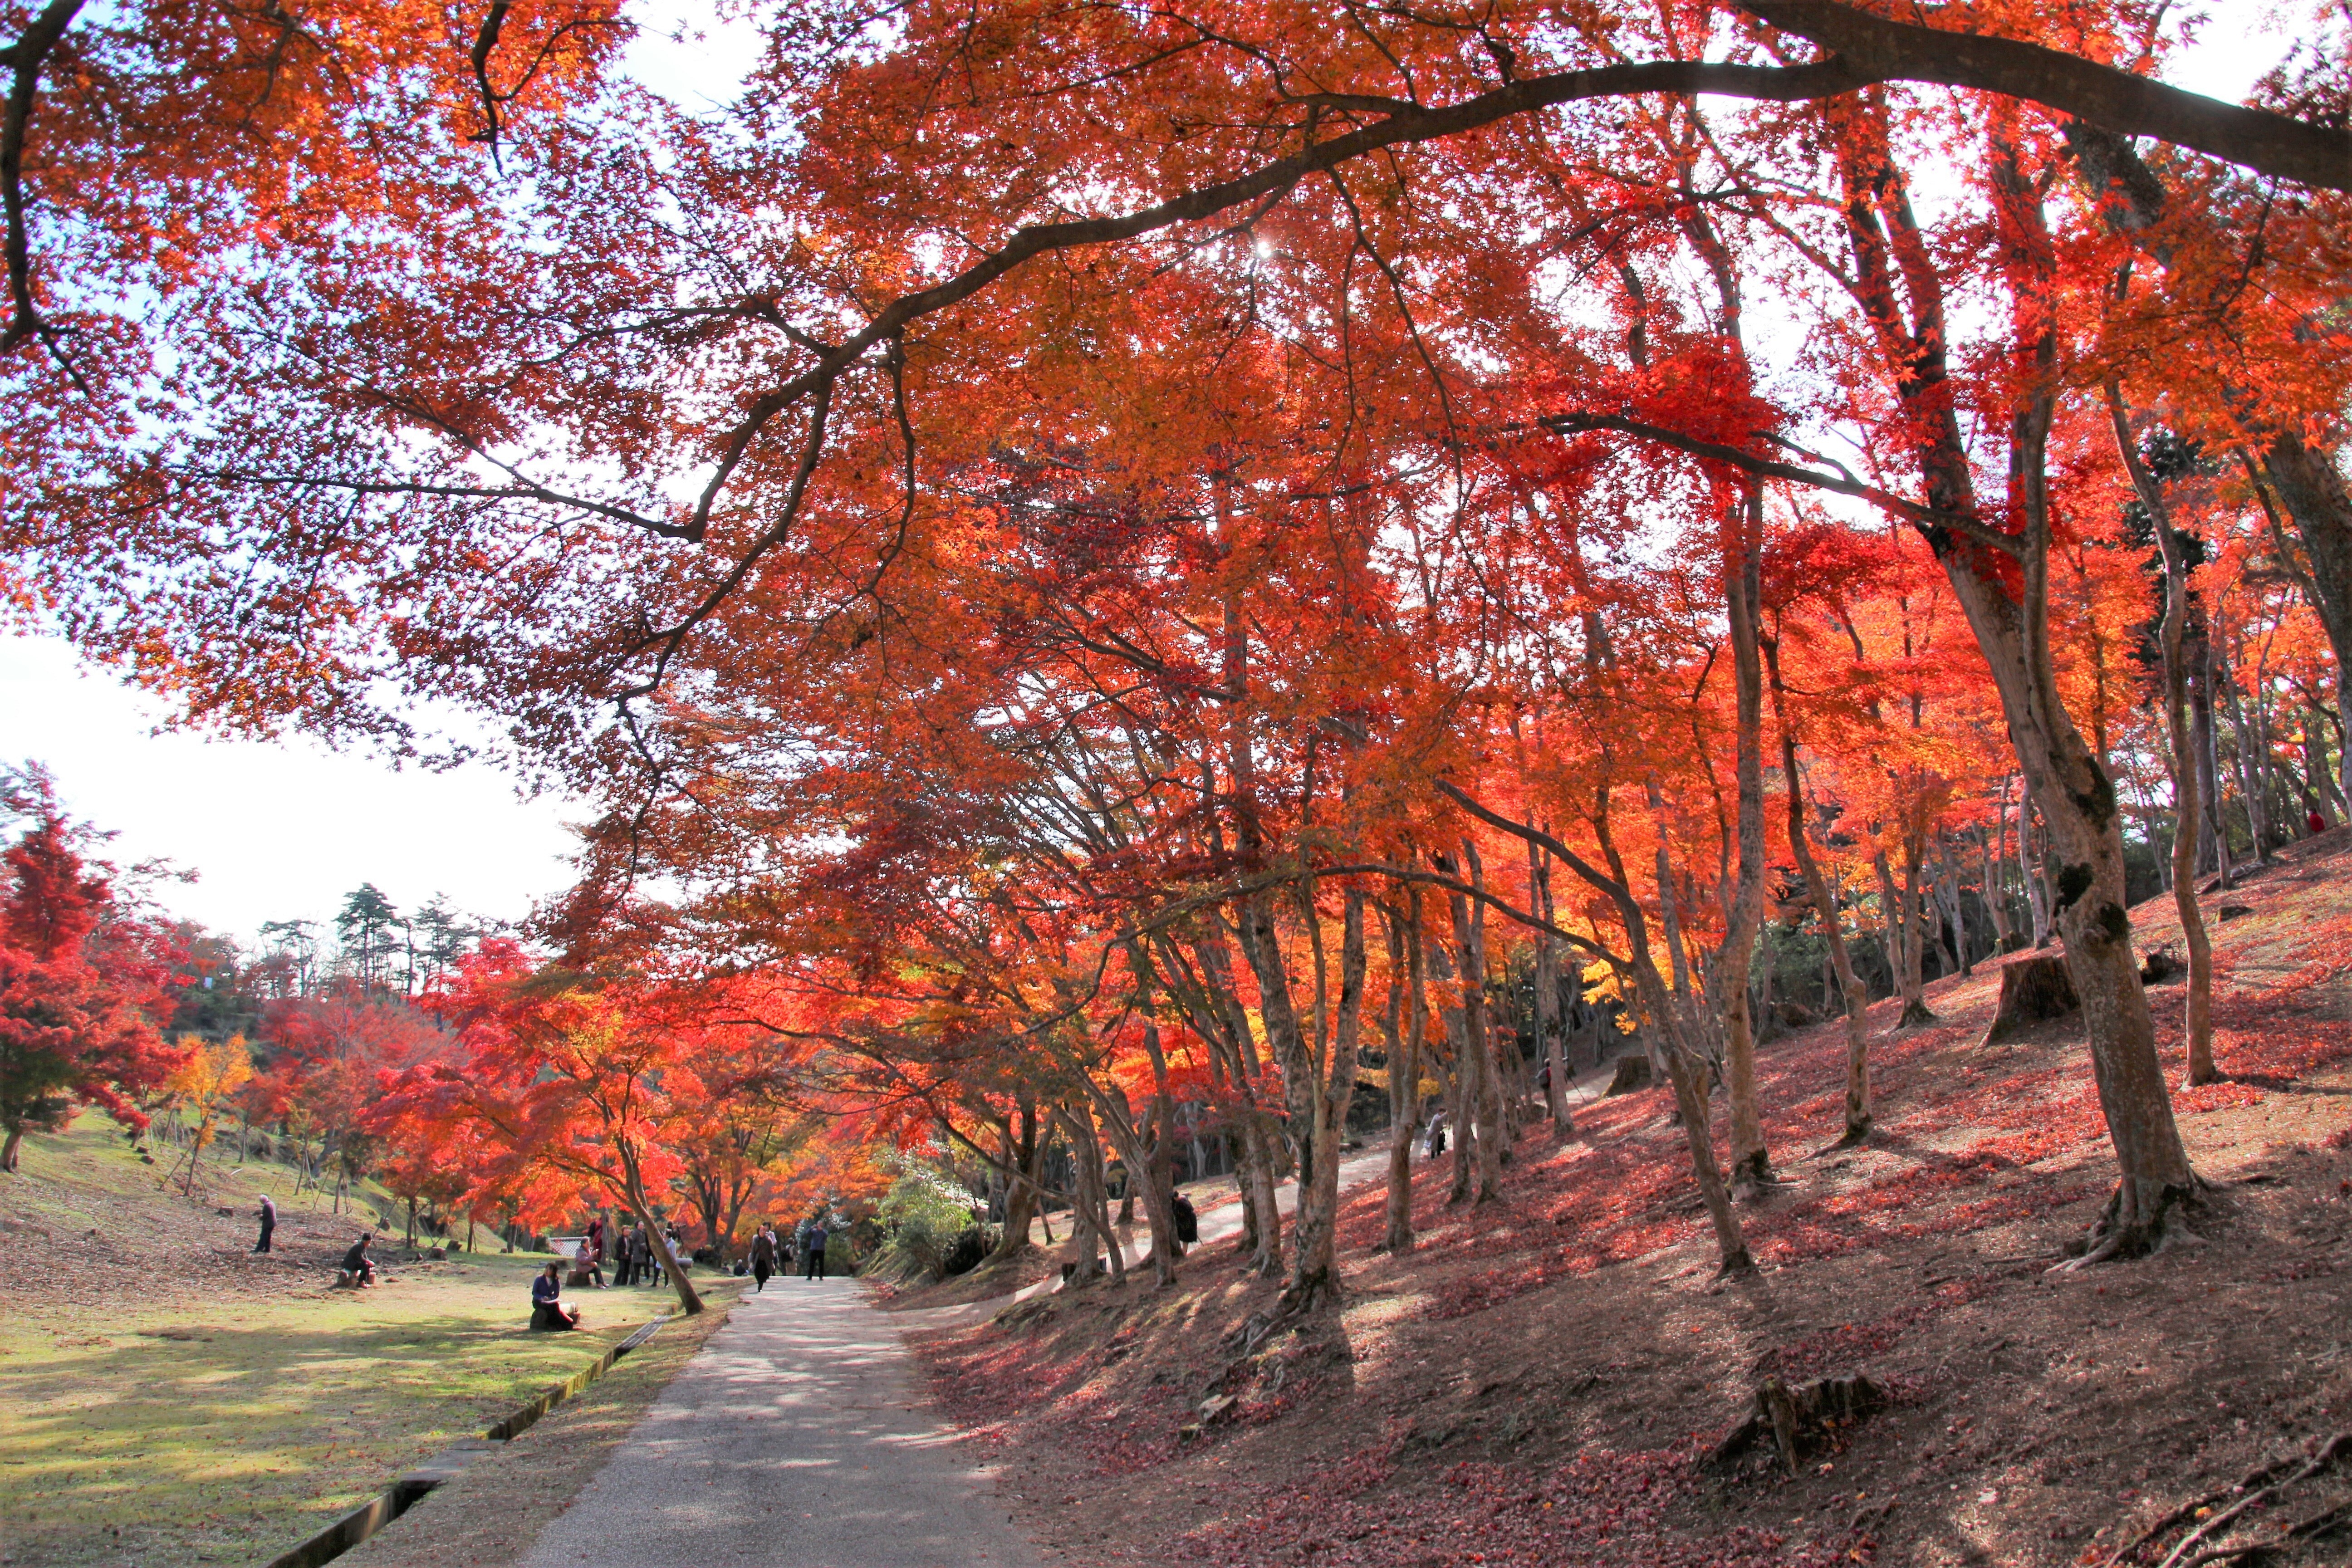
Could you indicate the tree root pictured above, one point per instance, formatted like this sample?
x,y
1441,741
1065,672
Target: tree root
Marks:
x,y
2117,1233
1301,1296
1916,1016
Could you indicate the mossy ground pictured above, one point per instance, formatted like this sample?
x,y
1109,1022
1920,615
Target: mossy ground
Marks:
x,y
213,1406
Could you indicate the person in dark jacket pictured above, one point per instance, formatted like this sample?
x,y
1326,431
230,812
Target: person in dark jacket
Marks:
x,y
814,1268
547,1308
268,1222
763,1256
358,1264
1188,1223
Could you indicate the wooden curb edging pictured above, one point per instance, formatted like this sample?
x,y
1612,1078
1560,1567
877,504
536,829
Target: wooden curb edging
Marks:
x,y
404,1493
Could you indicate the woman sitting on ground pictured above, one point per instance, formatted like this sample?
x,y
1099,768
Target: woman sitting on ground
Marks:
x,y
547,1308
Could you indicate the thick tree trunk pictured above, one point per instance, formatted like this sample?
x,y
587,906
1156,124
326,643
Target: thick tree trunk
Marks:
x,y
2312,489
1024,1151
633,1193
1160,1189
2068,785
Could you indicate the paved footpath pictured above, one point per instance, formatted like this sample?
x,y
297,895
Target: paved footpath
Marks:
x,y
798,1437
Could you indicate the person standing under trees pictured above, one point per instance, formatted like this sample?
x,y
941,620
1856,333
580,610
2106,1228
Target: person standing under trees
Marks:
x,y
1188,1223
763,1258
268,1222
814,1244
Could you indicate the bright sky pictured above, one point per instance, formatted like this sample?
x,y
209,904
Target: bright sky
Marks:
x,y
284,829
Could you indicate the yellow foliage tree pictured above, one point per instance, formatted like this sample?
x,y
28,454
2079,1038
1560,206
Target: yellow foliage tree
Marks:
x,y
203,1083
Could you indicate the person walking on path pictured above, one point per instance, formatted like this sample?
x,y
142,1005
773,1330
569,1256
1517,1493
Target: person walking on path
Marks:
x,y
268,1222
814,1268
763,1256
1188,1223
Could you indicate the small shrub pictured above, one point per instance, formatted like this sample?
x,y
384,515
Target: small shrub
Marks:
x,y
927,1213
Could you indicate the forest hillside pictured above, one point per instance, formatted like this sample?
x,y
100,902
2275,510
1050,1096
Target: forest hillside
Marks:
x,y
1546,1378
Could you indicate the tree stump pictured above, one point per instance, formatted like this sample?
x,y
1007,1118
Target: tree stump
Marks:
x,y
1799,1419
2033,990
1633,1073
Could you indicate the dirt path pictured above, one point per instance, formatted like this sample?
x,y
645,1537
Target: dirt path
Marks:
x,y
798,1436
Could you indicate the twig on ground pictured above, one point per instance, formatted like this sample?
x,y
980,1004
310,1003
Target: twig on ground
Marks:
x,y
2222,1521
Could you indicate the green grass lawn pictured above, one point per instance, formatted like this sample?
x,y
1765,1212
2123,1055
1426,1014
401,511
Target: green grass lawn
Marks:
x,y
180,1428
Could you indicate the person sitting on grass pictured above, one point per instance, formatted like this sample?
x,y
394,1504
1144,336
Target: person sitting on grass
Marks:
x,y
358,1267
547,1307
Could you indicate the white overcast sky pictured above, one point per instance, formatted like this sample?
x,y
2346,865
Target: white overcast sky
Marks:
x,y
284,829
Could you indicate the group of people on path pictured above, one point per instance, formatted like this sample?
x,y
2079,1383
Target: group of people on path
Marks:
x,y
772,1254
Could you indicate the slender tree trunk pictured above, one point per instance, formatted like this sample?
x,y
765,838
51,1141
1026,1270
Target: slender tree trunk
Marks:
x,y
1315,1274
1461,1091
1255,1167
2332,806
2188,803
1681,1063
1751,1162
1994,866
1912,981
2213,831
1405,958
1550,1027
2250,784
2029,870
1858,1113
1493,1132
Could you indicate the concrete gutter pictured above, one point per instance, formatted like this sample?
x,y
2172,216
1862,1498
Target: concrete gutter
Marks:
x,y
450,1463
